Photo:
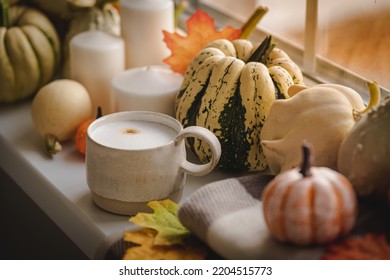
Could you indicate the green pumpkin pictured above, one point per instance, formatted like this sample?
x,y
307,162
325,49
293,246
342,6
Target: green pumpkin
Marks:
x,y
29,52
229,88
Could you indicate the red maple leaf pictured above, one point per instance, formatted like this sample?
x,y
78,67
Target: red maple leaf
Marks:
x,y
367,247
200,31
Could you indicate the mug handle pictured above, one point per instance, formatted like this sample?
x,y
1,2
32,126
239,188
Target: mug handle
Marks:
x,y
213,142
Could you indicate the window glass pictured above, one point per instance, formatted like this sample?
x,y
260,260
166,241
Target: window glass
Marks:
x,y
284,18
237,9
356,35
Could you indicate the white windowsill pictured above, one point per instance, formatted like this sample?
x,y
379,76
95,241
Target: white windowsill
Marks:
x,y
58,185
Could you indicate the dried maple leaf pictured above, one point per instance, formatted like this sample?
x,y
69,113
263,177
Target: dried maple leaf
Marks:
x,y
165,221
200,31
367,247
145,249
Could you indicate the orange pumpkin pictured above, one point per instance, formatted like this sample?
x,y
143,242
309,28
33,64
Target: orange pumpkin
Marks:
x,y
81,133
309,205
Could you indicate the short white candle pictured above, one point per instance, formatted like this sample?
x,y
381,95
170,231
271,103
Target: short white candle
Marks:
x,y
95,58
142,23
133,135
150,88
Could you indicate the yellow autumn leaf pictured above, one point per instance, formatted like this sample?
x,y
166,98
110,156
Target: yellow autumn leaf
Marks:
x,y
165,221
191,249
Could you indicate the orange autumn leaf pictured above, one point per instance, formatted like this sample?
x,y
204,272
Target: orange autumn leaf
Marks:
x,y
367,247
200,31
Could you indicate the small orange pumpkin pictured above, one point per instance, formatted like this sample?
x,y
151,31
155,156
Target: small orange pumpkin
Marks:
x,y
309,205
81,133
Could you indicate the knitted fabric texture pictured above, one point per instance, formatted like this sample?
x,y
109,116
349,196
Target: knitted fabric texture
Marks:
x,y
227,215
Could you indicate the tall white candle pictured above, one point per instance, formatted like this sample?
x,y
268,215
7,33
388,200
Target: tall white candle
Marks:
x,y
142,23
95,58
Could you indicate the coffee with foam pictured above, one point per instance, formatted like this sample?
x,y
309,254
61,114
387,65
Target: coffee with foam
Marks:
x,y
133,135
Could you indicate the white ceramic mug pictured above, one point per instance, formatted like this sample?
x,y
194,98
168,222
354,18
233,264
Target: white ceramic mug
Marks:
x,y
134,157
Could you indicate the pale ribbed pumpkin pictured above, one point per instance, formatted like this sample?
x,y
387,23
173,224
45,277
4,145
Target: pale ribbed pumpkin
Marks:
x,y
29,52
310,205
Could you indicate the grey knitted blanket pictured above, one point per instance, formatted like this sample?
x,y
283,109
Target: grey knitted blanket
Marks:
x,y
227,215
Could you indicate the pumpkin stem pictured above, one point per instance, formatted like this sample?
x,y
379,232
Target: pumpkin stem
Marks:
x,y
375,98
263,51
52,145
99,112
179,9
250,24
100,4
5,20
306,160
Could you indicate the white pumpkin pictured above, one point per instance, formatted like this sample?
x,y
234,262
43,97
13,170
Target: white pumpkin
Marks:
x,y
322,115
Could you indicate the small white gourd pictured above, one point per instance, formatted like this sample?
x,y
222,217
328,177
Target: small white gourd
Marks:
x,y
309,205
58,109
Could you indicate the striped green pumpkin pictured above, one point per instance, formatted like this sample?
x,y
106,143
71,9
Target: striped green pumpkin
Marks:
x,y
229,88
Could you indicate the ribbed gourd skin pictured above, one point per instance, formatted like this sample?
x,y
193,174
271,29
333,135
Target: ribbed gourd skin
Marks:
x,y
231,96
309,210
29,54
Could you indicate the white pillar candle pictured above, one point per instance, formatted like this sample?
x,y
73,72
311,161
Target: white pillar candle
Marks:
x,y
95,58
149,88
142,23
